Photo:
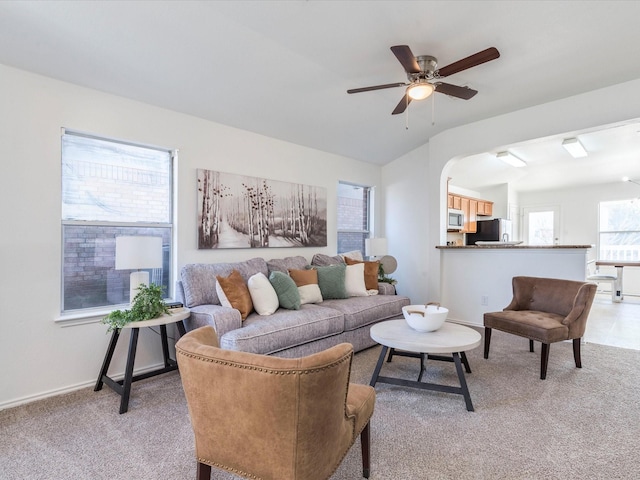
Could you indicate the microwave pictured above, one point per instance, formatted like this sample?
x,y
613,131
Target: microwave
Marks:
x,y
456,219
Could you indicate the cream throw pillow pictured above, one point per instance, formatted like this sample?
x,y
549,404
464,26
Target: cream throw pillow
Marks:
x,y
263,295
354,280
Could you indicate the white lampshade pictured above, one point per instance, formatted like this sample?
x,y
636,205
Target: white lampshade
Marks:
x,y
133,253
375,247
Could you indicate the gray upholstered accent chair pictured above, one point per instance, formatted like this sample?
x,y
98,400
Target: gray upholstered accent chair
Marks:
x,y
546,310
267,417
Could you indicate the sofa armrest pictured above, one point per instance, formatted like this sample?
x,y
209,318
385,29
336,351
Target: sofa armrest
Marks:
x,y
386,289
223,319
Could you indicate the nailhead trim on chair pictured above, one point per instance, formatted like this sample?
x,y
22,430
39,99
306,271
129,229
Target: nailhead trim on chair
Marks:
x,y
261,369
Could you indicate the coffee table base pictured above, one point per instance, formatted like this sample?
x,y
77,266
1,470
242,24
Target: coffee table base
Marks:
x,y
456,358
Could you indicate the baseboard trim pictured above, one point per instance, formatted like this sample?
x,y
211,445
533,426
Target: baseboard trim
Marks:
x,y
69,389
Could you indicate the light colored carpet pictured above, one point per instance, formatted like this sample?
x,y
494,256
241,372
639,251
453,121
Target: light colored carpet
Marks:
x,y
578,423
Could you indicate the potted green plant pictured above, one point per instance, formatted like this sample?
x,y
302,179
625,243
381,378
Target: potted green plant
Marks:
x,y
383,277
147,304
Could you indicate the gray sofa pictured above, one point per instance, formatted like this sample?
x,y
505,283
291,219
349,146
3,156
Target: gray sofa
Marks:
x,y
286,333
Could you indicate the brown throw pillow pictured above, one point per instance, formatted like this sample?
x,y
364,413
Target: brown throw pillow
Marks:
x,y
237,293
370,272
307,283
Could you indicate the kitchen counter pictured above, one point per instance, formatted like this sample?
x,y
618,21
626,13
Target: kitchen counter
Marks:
x,y
510,247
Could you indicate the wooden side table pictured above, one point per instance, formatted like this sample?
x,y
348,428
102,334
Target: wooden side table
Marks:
x,y
123,387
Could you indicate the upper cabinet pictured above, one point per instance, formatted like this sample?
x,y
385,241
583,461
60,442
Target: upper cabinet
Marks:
x,y
472,208
485,208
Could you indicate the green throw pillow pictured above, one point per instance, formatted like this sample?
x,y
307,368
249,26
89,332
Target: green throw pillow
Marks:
x,y
286,289
331,281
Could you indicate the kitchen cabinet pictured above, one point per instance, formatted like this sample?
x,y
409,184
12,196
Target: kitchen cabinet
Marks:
x,y
485,208
454,201
472,208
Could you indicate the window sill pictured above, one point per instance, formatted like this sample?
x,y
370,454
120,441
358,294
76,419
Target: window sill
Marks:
x,y
84,317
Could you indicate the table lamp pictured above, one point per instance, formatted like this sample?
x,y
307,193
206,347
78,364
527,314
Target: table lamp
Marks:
x,y
135,253
375,247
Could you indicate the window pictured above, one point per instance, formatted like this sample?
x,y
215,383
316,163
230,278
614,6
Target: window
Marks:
x,y
110,189
619,230
354,212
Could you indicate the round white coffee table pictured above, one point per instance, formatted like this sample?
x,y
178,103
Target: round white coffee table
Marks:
x,y
451,338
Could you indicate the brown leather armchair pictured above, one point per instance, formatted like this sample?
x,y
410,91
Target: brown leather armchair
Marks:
x,y
274,418
546,310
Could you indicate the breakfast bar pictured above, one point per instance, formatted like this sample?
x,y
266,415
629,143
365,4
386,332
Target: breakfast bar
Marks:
x,y
477,279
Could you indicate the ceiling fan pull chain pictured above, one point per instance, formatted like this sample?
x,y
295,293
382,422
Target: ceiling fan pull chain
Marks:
x,y
406,127
433,110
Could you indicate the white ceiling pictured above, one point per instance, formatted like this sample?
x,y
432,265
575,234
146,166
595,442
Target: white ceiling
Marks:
x,y
282,68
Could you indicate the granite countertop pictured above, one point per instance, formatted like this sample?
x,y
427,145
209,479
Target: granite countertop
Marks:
x,y
509,247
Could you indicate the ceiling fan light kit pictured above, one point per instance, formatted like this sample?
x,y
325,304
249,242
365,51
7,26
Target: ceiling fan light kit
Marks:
x,y
424,76
511,159
420,91
574,147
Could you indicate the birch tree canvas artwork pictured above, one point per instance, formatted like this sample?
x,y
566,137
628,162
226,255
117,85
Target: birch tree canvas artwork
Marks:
x,y
237,211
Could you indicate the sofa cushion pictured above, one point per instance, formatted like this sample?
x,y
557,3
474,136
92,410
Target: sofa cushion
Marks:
x,y
360,311
284,329
353,255
285,264
199,279
322,260
264,297
286,289
331,280
307,283
233,292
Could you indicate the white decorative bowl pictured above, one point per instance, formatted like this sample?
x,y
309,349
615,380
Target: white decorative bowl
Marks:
x,y
425,318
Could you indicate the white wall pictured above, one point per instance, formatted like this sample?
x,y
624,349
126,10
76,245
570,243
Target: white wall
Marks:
x,y
38,356
407,222
592,109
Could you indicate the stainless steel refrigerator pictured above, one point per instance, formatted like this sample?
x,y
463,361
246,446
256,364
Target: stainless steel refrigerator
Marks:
x,y
494,230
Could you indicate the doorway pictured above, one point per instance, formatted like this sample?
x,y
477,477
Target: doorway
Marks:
x,y
541,225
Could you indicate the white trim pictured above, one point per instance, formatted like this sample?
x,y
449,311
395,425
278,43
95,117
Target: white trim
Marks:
x,y
72,388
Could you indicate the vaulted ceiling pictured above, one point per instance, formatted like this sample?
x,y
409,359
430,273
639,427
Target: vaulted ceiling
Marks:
x,y
282,68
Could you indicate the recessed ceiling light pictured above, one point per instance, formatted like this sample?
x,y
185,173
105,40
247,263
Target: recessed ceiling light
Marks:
x,y
574,147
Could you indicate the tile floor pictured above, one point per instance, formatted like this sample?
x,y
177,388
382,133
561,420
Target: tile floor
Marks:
x,y
615,324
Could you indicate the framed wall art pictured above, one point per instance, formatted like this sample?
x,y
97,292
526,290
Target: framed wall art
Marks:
x,y
237,211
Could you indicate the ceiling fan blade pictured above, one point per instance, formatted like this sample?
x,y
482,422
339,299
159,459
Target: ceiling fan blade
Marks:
x,y
376,87
470,61
406,58
402,105
455,91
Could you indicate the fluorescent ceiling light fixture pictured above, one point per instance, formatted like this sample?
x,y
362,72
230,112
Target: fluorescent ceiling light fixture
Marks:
x,y
627,179
420,91
511,159
574,147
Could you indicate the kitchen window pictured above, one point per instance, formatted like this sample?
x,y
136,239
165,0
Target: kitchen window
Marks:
x,y
111,188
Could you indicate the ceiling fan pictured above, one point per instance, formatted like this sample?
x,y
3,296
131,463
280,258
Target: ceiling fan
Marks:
x,y
424,76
